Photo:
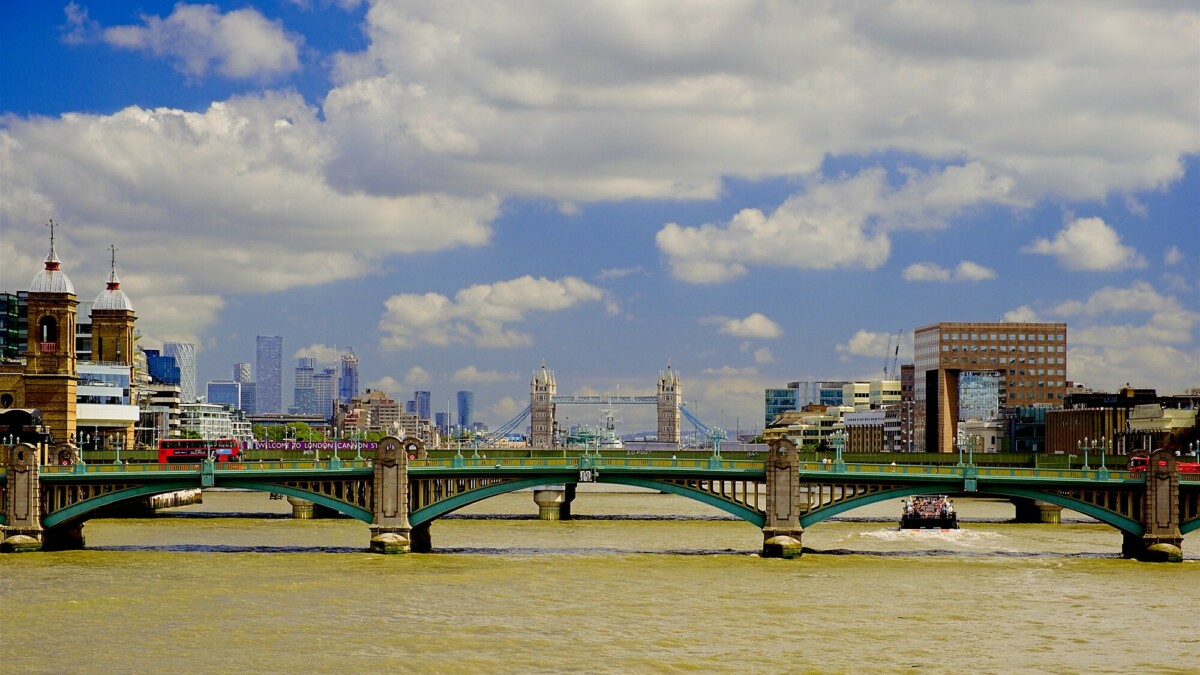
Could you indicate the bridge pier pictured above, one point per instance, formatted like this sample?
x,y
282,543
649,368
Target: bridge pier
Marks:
x,y
390,529
782,533
63,538
554,501
1161,540
1037,511
421,541
22,531
302,509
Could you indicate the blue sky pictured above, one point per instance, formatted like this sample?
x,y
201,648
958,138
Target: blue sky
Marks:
x,y
753,192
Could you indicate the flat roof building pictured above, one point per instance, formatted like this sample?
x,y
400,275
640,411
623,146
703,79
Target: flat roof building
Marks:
x,y
1028,362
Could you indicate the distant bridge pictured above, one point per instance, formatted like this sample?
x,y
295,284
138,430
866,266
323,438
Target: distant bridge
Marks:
x,y
400,494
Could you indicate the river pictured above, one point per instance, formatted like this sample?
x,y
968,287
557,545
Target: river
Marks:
x,y
641,582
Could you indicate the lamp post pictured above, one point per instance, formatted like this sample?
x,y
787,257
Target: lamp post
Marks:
x,y
960,462
1084,446
117,448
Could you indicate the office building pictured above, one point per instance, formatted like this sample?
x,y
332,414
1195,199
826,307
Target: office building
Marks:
x,y
466,409
324,387
184,354
1027,360
242,372
163,369
304,394
225,392
423,407
268,366
348,383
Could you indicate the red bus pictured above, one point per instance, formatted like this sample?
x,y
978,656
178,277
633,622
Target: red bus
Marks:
x,y
1140,462
194,450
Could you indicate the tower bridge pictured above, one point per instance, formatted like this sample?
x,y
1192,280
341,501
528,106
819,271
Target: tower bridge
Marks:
x,y
400,492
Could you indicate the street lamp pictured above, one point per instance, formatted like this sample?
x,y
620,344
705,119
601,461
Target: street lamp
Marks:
x,y
1085,446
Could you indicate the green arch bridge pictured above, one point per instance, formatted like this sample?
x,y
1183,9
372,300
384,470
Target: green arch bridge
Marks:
x,y
400,495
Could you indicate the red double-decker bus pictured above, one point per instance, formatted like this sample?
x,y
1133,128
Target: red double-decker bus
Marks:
x,y
192,450
1141,462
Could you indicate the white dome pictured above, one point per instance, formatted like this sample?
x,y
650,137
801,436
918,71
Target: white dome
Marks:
x,y
52,279
112,298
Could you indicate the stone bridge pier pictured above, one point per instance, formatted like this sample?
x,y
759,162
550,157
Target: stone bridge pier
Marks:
x,y
782,533
390,529
1161,540
22,500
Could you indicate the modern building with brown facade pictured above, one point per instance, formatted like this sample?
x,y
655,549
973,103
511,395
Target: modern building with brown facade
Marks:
x,y
1029,361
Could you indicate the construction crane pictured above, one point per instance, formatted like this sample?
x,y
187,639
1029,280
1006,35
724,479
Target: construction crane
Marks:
x,y
890,357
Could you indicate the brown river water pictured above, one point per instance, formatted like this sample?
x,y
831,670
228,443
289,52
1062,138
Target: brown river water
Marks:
x,y
641,582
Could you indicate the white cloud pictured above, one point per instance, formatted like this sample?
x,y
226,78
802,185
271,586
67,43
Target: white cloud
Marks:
x,y
198,38
830,224
650,102
867,343
417,376
966,271
505,409
1022,314
617,273
322,353
473,375
763,355
926,271
971,271
1088,244
1135,334
479,315
756,325
730,371
173,317
388,384
1173,256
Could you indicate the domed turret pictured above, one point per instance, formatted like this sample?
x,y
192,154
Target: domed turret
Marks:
x,y
112,297
52,279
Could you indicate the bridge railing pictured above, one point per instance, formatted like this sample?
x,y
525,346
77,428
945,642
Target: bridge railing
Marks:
x,y
955,470
574,461
193,467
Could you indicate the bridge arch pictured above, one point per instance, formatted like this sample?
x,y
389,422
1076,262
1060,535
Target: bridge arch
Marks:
x,y
1116,520
82,510
446,506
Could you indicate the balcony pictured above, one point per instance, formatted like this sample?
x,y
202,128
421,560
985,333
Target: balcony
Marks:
x,y
49,347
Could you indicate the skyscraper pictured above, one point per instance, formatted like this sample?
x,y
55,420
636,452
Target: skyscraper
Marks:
x,y
423,408
348,385
324,385
304,395
184,354
225,392
244,375
466,409
269,367
242,372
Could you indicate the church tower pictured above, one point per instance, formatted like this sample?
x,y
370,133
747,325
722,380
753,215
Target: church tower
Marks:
x,y
670,397
112,322
541,408
51,375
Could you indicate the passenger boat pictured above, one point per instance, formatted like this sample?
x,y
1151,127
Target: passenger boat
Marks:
x,y
928,512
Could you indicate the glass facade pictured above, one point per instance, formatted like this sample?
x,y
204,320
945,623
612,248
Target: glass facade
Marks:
x,y
184,354
466,409
269,369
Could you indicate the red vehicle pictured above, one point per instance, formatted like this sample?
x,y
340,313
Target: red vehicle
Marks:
x,y
194,450
1140,462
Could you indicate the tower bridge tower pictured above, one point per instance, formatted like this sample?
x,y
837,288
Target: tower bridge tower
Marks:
x,y
670,396
541,408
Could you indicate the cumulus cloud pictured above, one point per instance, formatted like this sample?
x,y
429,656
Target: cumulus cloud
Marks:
x,y
388,384
763,355
229,200
867,343
199,38
1135,334
417,376
1088,244
840,223
649,102
966,271
473,375
756,325
1173,256
321,353
1022,314
480,315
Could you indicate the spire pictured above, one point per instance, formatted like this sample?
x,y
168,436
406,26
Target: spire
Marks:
x,y
52,262
113,282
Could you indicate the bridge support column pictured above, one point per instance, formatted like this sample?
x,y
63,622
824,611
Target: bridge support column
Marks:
x,y
22,501
390,529
1037,511
1161,540
554,501
421,541
302,509
782,534
63,538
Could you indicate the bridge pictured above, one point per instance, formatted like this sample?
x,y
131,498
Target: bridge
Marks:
x,y
400,491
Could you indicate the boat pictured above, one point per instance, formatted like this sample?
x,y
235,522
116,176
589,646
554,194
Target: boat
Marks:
x,y
928,512
609,439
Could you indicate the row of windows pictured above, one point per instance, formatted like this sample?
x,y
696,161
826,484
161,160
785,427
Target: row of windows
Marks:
x,y
1023,337
1038,371
1041,349
1041,360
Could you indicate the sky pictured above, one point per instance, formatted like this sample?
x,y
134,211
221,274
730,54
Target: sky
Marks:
x,y
751,192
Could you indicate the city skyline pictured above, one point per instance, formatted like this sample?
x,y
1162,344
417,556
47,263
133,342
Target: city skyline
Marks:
x,y
463,198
